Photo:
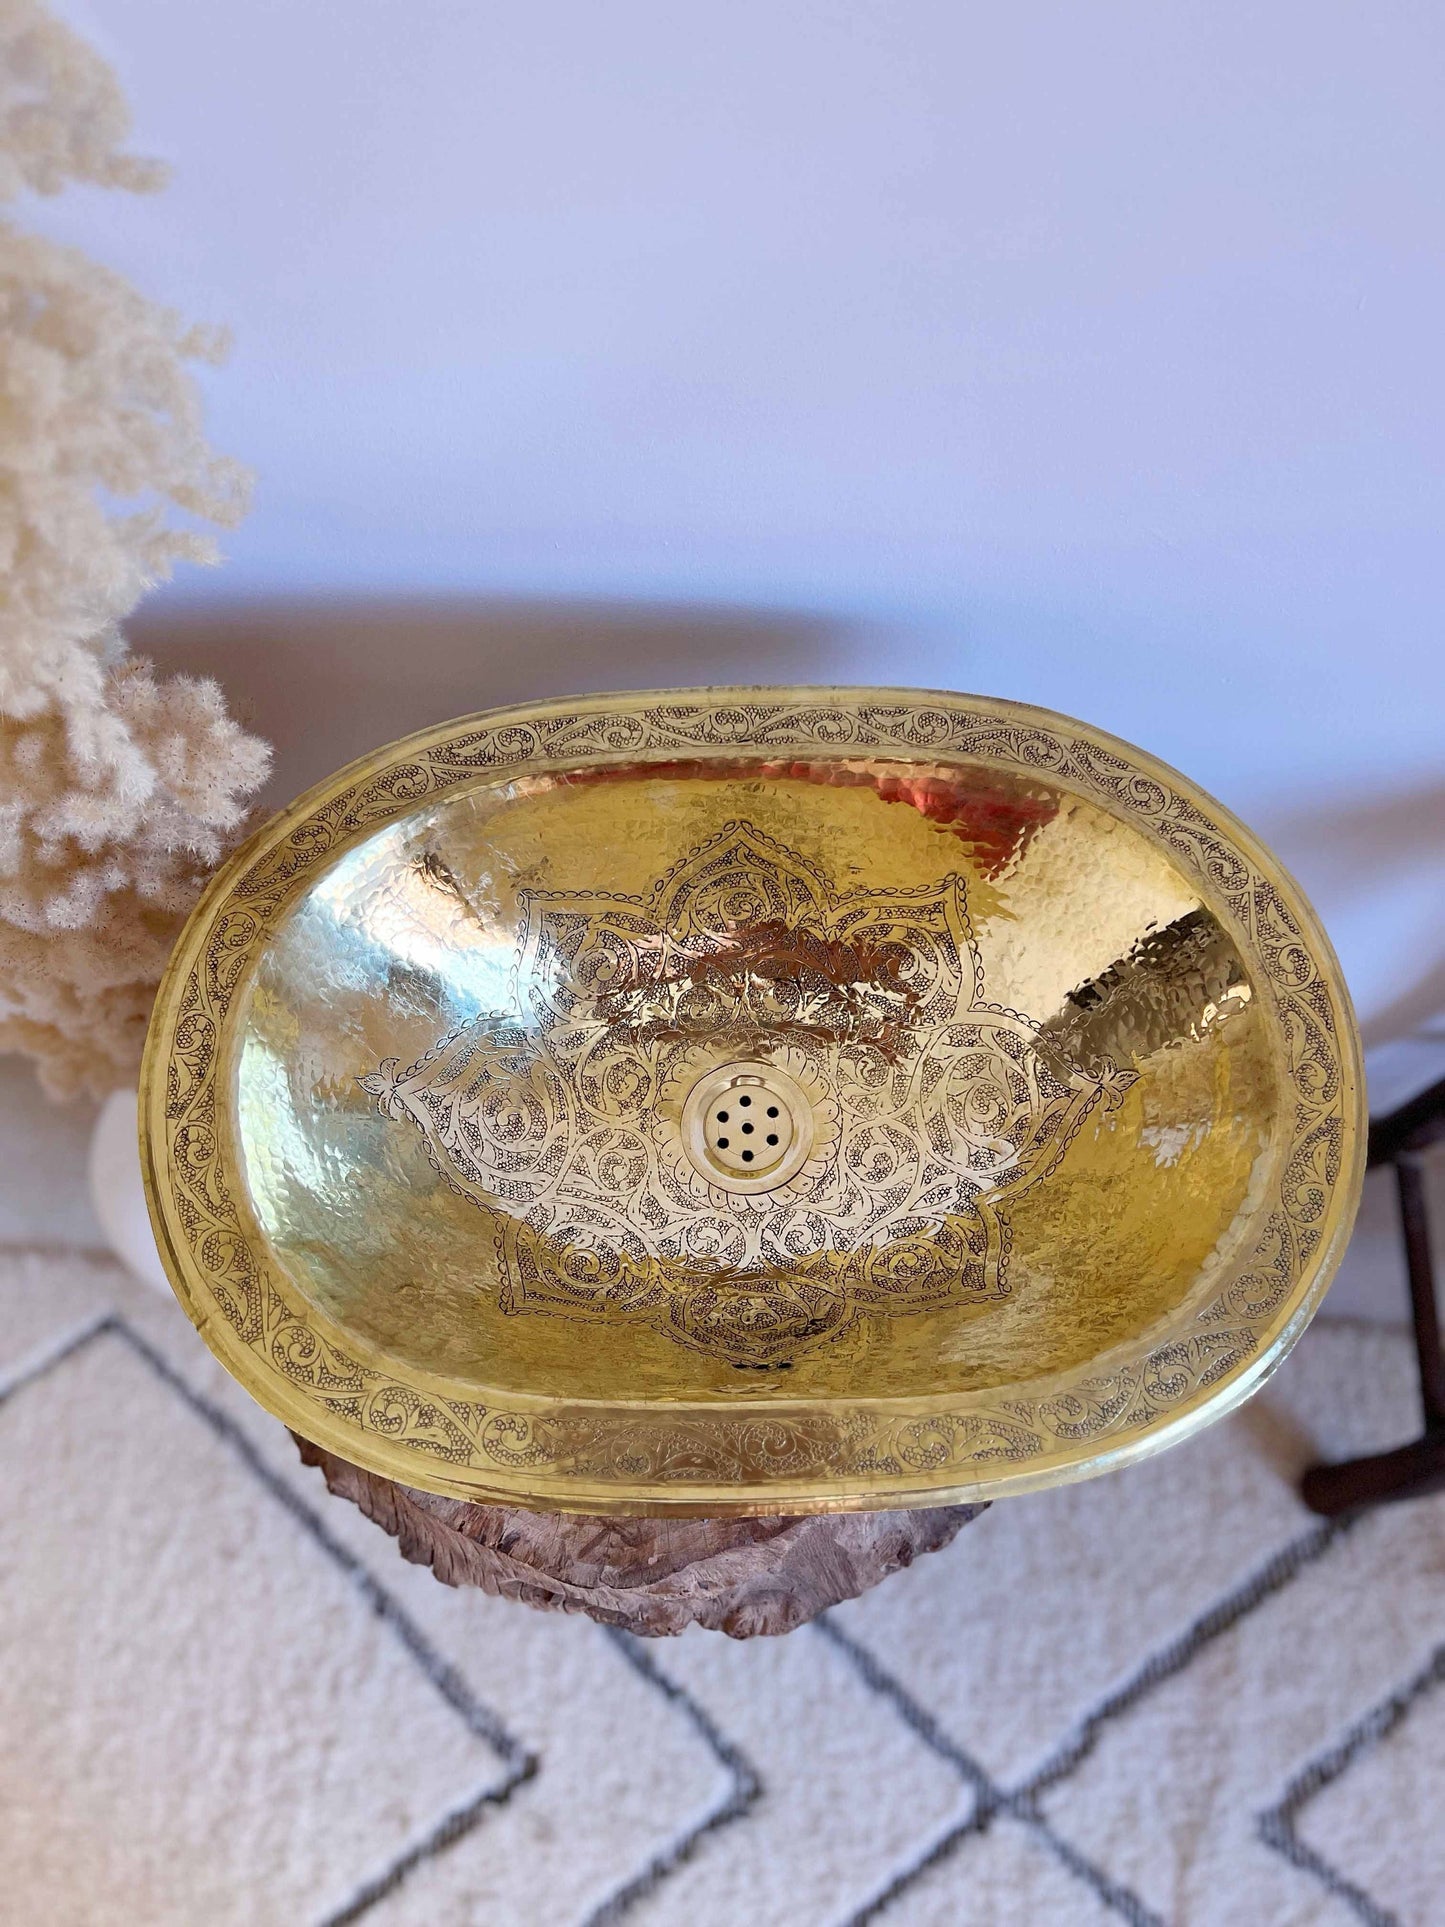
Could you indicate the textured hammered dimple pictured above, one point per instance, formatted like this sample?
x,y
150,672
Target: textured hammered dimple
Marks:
x,y
915,1107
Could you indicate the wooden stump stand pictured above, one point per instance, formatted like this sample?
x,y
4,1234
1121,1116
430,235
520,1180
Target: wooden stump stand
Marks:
x,y
743,1577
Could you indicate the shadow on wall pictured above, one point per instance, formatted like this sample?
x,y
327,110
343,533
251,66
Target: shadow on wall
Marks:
x,y
327,681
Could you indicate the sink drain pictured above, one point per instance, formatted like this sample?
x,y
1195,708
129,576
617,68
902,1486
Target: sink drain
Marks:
x,y
747,1127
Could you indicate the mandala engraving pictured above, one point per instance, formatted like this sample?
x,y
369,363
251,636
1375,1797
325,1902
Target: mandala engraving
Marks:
x,y
931,1107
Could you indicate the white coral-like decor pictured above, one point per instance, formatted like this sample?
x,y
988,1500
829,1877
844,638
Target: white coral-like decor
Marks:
x,y
118,791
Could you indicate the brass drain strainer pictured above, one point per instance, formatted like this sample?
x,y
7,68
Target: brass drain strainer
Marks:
x,y
747,1127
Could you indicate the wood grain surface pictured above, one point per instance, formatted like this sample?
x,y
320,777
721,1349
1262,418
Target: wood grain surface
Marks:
x,y
743,1577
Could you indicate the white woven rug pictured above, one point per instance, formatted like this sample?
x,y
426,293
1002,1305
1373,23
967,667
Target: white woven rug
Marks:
x,y
1168,1696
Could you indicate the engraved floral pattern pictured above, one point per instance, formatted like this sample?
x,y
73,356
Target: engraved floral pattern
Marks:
x,y
930,1105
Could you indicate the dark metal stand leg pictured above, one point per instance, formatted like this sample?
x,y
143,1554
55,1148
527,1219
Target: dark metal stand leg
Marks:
x,y
1410,1471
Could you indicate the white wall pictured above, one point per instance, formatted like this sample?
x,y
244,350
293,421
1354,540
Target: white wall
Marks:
x,y
1088,354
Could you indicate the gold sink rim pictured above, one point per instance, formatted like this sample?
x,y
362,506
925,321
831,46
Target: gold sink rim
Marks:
x,y
816,1455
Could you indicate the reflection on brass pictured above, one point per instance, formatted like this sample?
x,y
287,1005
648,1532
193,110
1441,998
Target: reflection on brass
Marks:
x,y
751,1101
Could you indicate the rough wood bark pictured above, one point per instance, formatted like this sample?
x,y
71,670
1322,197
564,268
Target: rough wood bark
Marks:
x,y
652,1576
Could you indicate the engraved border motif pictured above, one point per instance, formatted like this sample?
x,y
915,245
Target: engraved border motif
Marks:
x,y
781,1455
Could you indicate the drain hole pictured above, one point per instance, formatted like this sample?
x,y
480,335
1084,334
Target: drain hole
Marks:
x,y
745,1131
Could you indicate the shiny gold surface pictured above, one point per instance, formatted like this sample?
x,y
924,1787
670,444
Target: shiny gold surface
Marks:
x,y
751,1100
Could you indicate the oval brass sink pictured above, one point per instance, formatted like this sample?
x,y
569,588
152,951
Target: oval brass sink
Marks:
x,y
751,1100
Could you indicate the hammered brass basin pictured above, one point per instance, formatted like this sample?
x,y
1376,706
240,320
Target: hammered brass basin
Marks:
x,y
751,1100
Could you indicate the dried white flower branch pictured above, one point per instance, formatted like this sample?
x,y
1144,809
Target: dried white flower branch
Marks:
x,y
118,791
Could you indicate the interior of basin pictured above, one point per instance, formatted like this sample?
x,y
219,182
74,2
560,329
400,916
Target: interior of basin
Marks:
x,y
492,1073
